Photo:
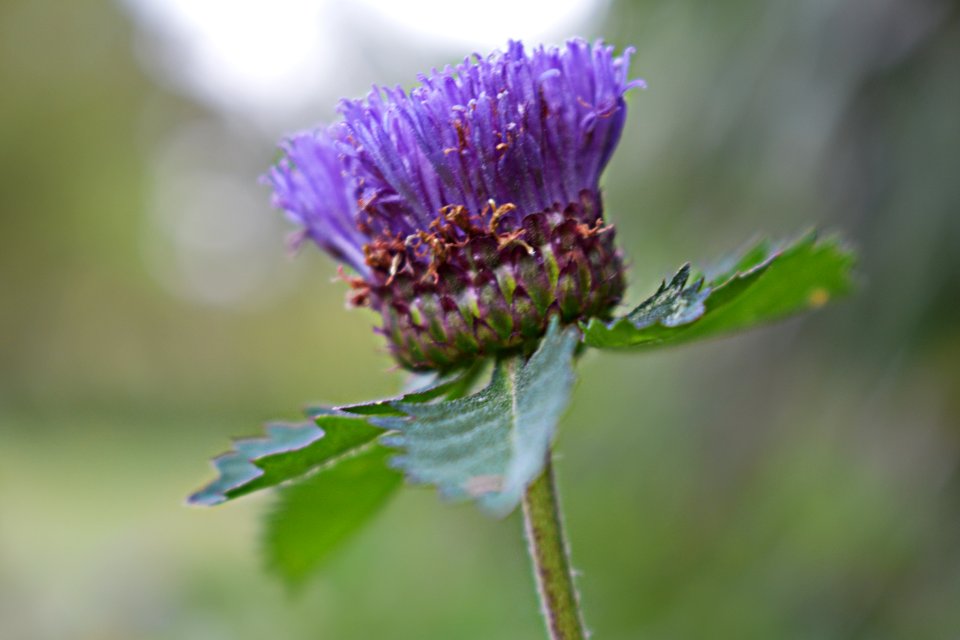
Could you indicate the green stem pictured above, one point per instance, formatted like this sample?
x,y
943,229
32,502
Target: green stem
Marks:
x,y
551,562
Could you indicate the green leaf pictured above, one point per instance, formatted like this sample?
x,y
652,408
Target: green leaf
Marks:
x,y
764,284
313,516
489,446
288,451
453,385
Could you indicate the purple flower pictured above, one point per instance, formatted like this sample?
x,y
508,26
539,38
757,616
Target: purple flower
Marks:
x,y
469,206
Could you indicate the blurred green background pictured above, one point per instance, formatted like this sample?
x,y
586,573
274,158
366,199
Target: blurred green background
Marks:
x,y
801,481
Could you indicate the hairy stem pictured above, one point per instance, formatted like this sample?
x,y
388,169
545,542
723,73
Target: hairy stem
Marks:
x,y
551,561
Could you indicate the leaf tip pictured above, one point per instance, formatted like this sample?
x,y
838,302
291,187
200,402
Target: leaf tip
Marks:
x,y
205,498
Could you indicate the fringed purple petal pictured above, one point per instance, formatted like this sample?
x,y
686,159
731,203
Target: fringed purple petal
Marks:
x,y
529,129
533,130
310,186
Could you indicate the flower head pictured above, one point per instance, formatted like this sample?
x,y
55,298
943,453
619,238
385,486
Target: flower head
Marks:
x,y
469,207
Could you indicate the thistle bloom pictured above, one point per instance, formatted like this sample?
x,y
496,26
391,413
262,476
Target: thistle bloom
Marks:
x,y
469,207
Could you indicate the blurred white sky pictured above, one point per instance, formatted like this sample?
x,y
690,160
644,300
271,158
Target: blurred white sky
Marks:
x,y
267,58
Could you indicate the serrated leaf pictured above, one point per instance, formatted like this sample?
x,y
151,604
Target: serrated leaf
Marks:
x,y
315,515
489,446
673,304
453,385
288,451
763,284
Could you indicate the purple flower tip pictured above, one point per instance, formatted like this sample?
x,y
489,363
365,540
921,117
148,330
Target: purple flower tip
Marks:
x,y
533,129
